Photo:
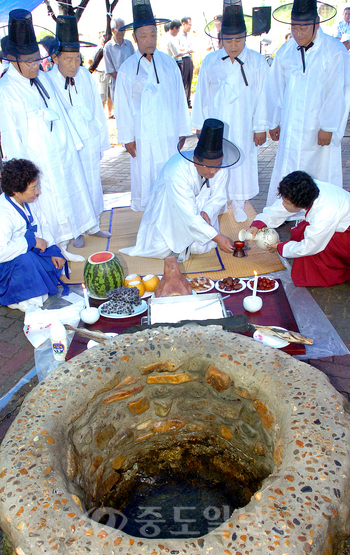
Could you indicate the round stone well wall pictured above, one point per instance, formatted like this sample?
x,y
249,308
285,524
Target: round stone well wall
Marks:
x,y
272,423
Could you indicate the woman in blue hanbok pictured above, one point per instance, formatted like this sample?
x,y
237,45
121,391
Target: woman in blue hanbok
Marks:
x,y
30,262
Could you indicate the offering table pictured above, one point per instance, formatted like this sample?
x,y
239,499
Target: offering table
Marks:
x,y
275,311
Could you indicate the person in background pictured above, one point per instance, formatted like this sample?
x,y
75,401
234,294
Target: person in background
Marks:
x,y
320,244
343,25
151,111
231,87
97,65
30,262
214,43
163,46
308,97
173,45
189,195
35,126
346,40
80,97
116,51
186,49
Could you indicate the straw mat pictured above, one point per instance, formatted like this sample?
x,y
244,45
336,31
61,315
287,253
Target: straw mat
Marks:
x,y
124,224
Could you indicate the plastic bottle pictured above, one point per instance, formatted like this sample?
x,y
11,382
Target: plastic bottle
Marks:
x,y
58,340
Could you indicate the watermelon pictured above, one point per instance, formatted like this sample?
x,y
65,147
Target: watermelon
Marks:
x,y
103,272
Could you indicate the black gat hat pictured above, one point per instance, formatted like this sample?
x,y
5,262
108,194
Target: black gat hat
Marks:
x,y
142,15
234,22
304,12
22,38
67,33
210,145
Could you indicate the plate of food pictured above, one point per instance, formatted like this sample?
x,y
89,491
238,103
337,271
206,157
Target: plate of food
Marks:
x,y
107,310
265,284
201,284
230,285
271,340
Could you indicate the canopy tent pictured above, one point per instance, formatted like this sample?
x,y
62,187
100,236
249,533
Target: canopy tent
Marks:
x,y
7,5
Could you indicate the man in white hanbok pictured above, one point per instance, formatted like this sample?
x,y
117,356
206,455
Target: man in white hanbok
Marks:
x,y
308,97
151,108
190,193
81,99
231,87
34,126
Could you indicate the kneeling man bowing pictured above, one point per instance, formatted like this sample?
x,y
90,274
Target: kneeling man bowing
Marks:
x,y
190,193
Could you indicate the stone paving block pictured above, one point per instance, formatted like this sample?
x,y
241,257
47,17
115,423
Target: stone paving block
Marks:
x,y
20,340
7,350
6,322
11,366
15,328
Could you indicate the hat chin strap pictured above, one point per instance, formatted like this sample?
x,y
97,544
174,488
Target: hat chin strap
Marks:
x,y
304,49
154,64
242,69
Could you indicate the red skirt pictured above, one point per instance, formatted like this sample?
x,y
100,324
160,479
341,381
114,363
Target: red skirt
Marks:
x,y
328,267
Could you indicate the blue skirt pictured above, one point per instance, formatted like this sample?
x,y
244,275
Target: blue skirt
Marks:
x,y
29,275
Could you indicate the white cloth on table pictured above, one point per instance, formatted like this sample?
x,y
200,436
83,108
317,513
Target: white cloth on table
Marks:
x,y
303,103
87,116
172,220
329,213
25,127
153,114
114,55
221,93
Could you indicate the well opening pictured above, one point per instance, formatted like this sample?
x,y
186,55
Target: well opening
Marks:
x,y
178,412
185,488
195,449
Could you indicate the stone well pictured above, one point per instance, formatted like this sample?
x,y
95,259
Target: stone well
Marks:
x,y
177,398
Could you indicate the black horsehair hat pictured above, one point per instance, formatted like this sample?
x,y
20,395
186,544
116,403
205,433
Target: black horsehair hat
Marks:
x,y
22,38
210,145
142,15
234,22
67,33
304,12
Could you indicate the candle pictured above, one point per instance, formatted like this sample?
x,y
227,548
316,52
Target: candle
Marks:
x,y
255,286
86,296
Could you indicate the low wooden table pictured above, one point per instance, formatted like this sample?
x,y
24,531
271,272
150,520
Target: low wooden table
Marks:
x,y
275,311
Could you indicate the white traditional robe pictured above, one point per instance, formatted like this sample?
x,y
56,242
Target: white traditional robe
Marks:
x,y
25,272
25,127
172,220
329,213
303,103
153,114
221,93
13,228
88,118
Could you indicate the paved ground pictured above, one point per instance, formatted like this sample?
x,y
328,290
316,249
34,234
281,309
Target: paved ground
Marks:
x,y
16,353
